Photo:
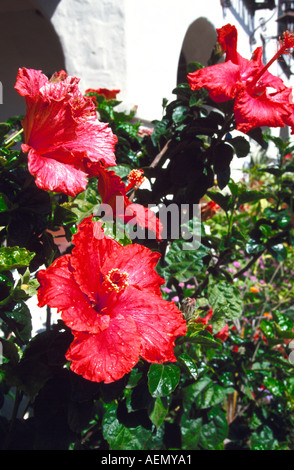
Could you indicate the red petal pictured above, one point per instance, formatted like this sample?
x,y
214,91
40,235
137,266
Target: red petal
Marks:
x,y
266,109
29,82
52,175
139,262
227,38
91,249
58,289
158,322
221,80
107,356
62,125
110,186
144,217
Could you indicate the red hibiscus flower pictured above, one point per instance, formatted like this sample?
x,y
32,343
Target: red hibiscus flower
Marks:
x,y
108,94
113,193
223,334
260,98
61,131
109,296
208,210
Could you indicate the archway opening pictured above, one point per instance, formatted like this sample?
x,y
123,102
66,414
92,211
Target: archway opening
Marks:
x,y
197,46
27,39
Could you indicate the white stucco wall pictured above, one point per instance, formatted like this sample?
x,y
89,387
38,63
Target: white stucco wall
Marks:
x,y
132,45
155,30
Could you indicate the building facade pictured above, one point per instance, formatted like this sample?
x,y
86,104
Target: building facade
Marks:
x,y
141,47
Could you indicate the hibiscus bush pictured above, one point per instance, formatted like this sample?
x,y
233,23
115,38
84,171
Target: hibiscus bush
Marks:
x,y
164,284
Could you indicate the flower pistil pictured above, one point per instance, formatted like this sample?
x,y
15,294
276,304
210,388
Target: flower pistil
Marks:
x,y
116,281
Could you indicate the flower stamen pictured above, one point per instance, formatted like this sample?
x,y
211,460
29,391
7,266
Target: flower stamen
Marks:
x,y
135,179
285,43
116,281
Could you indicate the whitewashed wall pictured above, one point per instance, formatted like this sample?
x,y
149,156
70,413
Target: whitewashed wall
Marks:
x,y
134,45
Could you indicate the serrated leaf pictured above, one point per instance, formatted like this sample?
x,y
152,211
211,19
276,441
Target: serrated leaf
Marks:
x,y
163,379
14,257
226,303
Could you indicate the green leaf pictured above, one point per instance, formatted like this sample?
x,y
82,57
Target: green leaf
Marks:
x,y
163,379
226,302
19,319
279,252
120,437
159,411
225,202
159,130
215,430
4,203
212,395
179,114
182,264
205,339
241,146
263,439
14,257
189,363
253,246
6,289
190,429
252,196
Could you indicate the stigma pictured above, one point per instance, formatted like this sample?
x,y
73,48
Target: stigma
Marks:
x,y
116,281
135,179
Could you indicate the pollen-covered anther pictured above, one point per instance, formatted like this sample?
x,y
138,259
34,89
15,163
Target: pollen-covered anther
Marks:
x,y
135,179
288,40
116,281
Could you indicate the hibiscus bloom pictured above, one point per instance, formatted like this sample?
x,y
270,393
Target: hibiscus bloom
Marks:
x,y
114,197
61,131
208,209
108,94
109,296
223,334
260,98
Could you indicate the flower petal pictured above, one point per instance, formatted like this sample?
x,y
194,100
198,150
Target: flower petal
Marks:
x,y
29,82
227,37
139,262
58,289
52,175
61,124
91,249
107,356
158,322
266,109
144,217
221,80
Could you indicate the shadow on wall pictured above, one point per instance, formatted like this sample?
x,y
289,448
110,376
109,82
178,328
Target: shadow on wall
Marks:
x,y
27,39
197,46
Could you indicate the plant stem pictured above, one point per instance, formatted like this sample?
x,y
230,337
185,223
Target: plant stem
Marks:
x,y
11,140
